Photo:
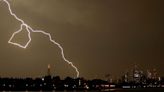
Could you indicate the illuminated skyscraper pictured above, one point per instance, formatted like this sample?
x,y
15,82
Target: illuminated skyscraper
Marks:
x,y
136,74
49,70
154,74
149,75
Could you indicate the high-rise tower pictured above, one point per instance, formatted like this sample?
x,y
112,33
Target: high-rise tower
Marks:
x,y
49,70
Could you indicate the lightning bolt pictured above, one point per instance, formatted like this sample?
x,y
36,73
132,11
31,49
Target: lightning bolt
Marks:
x,y
30,30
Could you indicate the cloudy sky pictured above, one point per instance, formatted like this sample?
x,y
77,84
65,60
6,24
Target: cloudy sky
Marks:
x,y
99,36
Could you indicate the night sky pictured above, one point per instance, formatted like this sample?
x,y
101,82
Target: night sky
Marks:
x,y
99,36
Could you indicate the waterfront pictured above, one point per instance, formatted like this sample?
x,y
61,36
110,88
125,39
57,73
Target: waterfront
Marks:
x,y
139,90
123,90
114,90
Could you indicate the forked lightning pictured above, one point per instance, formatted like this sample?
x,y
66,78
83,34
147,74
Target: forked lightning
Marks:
x,y
30,30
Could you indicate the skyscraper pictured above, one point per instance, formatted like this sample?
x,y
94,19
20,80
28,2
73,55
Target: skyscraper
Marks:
x,y
49,70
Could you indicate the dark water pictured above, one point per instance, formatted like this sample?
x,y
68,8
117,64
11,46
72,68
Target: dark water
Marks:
x,y
140,90
124,90
112,90
136,90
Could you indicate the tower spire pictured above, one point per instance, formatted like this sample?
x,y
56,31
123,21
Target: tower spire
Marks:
x,y
49,70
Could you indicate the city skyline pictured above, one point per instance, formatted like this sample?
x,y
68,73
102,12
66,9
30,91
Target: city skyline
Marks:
x,y
99,37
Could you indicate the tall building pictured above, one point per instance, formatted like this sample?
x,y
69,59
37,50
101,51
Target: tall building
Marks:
x,y
154,74
136,74
49,70
149,75
126,77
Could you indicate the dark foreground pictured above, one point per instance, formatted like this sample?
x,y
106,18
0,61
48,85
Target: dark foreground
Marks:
x,y
108,90
55,84
138,90
112,90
